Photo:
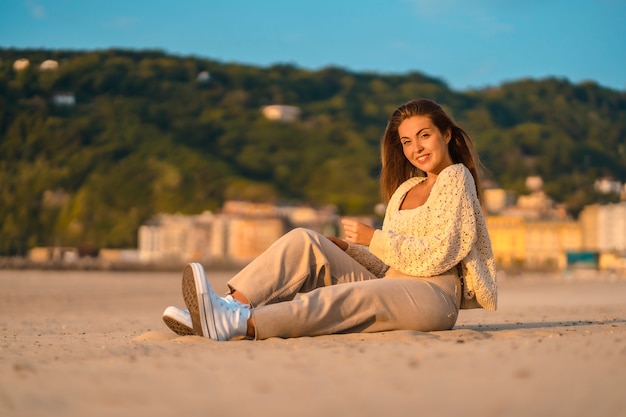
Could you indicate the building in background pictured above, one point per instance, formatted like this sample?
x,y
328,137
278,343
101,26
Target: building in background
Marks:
x,y
238,234
21,64
604,231
281,113
508,240
548,243
64,99
170,238
535,233
49,65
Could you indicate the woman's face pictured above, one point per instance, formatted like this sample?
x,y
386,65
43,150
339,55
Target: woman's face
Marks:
x,y
424,145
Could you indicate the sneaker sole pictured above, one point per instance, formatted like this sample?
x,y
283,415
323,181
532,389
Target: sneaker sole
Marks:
x,y
178,327
196,296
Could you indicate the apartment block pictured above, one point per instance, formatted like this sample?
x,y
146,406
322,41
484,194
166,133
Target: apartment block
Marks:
x,y
238,234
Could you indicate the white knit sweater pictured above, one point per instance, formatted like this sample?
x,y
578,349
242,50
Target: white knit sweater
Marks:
x,y
429,240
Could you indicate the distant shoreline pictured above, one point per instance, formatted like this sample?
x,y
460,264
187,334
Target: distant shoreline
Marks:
x,y
94,264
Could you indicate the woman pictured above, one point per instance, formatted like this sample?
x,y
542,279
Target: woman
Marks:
x,y
432,257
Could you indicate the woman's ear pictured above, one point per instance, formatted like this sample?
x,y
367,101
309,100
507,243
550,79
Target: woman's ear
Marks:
x,y
448,135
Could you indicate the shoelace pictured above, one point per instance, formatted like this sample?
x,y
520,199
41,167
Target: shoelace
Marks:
x,y
234,305
229,299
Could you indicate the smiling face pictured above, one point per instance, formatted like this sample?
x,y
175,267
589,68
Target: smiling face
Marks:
x,y
424,146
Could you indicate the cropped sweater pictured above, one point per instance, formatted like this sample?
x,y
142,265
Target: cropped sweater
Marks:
x,y
449,229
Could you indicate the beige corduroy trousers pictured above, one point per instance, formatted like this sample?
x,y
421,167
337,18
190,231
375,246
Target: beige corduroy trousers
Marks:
x,y
304,285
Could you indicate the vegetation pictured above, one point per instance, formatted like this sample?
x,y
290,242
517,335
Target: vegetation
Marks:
x,y
146,136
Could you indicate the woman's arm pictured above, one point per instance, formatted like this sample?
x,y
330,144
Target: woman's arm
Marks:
x,y
371,262
362,256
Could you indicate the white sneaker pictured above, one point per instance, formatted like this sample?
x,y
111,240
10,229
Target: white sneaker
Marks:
x,y
178,320
211,315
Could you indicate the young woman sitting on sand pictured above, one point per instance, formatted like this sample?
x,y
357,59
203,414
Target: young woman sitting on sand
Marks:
x,y
432,257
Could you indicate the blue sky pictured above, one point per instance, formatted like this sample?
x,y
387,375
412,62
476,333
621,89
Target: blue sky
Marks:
x,y
466,43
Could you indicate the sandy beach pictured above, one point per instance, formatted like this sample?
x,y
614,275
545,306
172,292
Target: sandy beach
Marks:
x,y
77,343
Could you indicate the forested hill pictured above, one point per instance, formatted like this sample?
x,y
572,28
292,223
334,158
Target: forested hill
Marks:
x,y
147,135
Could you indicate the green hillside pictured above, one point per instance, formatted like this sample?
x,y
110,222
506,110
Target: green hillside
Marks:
x,y
146,135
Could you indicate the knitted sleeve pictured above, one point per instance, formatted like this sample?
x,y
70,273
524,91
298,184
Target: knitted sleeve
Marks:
x,y
435,246
363,256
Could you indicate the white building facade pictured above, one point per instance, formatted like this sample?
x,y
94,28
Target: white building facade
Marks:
x,y
612,227
237,235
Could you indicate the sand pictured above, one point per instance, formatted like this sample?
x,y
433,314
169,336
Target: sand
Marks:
x,y
76,343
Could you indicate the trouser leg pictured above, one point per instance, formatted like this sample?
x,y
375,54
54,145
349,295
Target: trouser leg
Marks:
x,y
299,261
368,306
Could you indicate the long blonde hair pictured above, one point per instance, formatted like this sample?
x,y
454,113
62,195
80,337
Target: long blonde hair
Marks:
x,y
396,168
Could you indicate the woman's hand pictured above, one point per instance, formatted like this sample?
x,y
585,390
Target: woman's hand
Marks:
x,y
357,232
339,242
